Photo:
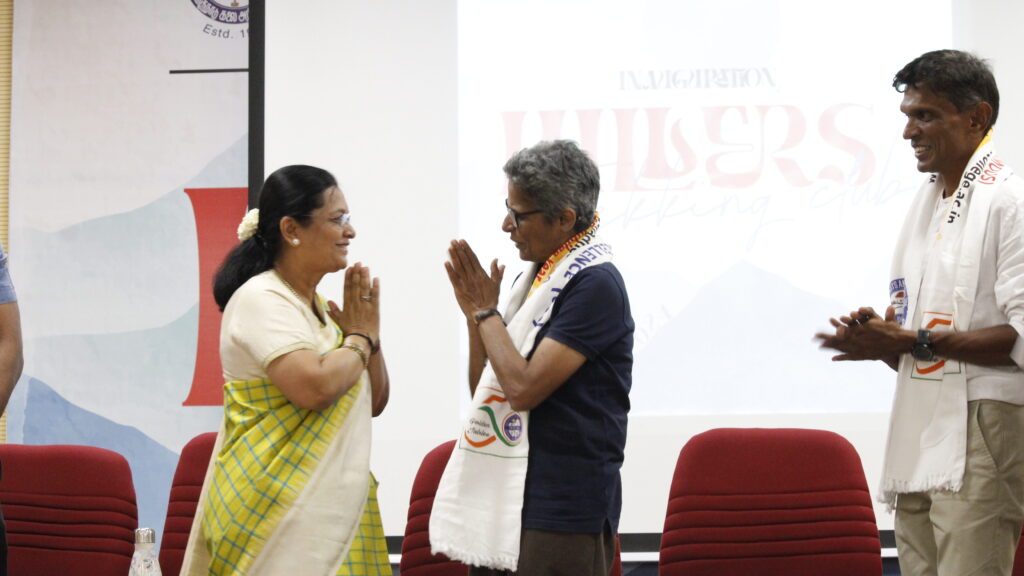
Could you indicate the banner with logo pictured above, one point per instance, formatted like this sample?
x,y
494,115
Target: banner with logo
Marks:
x,y
128,178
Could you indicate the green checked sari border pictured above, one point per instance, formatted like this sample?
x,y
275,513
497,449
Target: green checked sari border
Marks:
x,y
271,448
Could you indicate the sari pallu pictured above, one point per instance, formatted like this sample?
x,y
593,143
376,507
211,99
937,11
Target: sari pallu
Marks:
x,y
289,490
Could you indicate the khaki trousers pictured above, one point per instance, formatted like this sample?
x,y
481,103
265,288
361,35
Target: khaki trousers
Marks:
x,y
560,554
973,531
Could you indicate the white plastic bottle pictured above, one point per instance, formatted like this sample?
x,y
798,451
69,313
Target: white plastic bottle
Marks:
x,y
144,561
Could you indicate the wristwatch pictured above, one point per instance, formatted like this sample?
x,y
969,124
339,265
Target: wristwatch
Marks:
x,y
922,348
485,314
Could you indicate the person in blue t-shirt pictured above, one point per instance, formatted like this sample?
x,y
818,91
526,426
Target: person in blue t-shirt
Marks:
x,y
10,363
575,379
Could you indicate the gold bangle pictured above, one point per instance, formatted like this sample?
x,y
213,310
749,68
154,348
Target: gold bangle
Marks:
x,y
359,352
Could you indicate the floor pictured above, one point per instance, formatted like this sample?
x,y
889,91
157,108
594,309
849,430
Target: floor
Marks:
x,y
889,568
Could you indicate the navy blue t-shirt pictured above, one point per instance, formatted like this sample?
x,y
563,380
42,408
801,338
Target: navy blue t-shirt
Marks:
x,y
578,434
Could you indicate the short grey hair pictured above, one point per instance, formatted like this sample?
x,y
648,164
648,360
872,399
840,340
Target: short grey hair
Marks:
x,y
555,175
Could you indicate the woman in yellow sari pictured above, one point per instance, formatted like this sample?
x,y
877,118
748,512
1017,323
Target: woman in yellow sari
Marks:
x,y
289,490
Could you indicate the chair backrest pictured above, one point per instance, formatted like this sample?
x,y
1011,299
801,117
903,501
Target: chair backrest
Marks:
x,y
181,506
617,563
416,557
769,501
69,510
1018,559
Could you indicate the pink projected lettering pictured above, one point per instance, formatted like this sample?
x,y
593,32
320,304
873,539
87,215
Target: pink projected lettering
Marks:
x,y
739,144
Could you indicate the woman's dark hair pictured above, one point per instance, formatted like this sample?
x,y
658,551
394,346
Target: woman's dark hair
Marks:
x,y
294,191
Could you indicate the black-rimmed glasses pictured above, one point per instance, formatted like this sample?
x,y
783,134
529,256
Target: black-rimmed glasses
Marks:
x,y
517,216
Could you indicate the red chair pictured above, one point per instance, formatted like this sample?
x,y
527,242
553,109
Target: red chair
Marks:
x,y
181,507
70,510
417,559
1018,559
769,501
617,563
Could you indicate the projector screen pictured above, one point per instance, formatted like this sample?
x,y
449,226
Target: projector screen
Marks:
x,y
754,179
750,151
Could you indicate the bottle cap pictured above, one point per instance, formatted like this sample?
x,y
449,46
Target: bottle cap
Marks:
x,y
145,536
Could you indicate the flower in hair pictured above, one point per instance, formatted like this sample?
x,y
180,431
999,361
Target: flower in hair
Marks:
x,y
249,224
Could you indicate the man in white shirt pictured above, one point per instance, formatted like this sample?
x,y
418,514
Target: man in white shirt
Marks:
x,y
954,468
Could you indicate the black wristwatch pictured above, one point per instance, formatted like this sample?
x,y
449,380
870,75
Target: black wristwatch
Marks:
x,y
485,314
923,349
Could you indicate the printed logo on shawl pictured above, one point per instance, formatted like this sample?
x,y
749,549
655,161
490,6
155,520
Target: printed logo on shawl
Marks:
x,y
512,427
980,170
977,169
991,170
936,322
581,239
586,256
495,427
898,299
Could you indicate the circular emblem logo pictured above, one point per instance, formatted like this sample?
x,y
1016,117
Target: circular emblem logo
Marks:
x,y
224,11
512,428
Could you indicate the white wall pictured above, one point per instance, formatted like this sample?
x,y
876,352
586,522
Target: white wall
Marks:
x,y
991,29
367,90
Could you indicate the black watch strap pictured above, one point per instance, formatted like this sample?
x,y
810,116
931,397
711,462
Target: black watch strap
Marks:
x,y
923,348
485,314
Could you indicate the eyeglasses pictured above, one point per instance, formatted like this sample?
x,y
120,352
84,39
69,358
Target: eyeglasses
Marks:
x,y
344,219
517,216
